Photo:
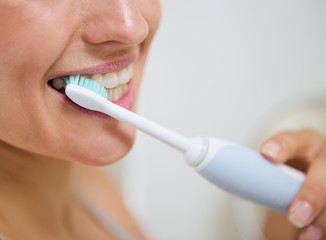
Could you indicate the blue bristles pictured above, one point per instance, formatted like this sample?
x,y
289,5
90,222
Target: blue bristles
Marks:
x,y
87,83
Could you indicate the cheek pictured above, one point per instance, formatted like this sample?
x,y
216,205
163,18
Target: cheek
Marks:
x,y
151,11
36,44
29,45
100,146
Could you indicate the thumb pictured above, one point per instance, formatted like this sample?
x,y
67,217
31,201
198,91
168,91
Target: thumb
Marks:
x,y
311,199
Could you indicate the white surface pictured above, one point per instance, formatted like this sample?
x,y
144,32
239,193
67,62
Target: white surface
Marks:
x,y
94,101
225,69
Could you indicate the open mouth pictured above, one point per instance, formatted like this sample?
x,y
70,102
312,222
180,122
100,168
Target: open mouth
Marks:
x,y
115,82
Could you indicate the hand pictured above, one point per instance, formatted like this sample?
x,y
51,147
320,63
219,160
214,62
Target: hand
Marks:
x,y
305,150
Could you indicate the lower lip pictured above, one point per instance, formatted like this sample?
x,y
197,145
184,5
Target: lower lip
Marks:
x,y
126,101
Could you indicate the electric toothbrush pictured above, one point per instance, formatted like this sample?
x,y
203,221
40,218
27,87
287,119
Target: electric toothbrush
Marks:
x,y
234,168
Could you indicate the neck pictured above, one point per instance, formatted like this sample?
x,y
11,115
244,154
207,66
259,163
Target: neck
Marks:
x,y
23,172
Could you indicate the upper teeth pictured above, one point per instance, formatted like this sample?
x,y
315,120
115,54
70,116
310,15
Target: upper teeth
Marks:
x,y
108,80
114,79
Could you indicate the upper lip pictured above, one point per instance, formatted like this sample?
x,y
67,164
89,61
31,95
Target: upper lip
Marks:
x,y
103,68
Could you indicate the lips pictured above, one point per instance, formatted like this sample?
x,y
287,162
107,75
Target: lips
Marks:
x,y
115,82
119,84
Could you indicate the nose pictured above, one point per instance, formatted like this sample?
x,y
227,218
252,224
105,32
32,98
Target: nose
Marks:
x,y
114,21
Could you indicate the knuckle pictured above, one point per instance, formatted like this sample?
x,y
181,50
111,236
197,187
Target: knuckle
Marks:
x,y
315,194
322,152
310,132
312,232
320,222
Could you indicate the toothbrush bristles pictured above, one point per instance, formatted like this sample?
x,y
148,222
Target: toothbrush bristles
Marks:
x,y
87,83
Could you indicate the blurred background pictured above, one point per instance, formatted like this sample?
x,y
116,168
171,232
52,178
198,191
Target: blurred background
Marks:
x,y
233,69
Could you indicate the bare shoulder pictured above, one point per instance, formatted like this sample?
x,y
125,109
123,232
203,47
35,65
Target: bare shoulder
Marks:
x,y
96,187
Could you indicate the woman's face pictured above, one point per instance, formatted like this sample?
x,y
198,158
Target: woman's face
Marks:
x,y
46,40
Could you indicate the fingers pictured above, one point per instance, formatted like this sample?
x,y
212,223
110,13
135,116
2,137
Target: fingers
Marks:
x,y
308,209
315,231
311,200
303,145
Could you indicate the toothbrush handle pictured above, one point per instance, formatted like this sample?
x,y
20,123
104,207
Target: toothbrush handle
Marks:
x,y
247,174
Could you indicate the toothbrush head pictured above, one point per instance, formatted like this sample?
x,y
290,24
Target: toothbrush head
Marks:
x,y
87,83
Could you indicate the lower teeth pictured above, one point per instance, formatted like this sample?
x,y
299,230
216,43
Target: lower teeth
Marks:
x,y
115,93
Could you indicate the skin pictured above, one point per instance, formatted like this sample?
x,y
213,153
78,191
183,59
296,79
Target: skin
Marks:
x,y
305,150
44,142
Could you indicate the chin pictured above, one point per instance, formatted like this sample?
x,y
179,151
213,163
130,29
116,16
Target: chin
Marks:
x,y
105,151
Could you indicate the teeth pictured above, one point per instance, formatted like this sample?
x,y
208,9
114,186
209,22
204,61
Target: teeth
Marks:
x,y
112,80
125,74
116,93
115,83
58,83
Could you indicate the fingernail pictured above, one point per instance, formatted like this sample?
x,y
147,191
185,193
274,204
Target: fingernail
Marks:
x,y
300,214
312,233
271,148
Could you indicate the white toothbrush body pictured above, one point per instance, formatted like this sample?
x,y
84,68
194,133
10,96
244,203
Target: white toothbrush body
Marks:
x,y
235,168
